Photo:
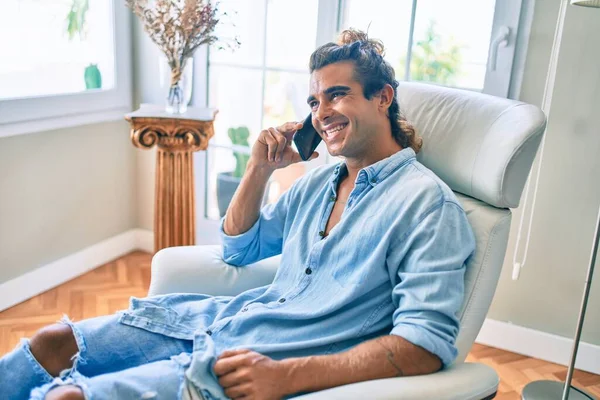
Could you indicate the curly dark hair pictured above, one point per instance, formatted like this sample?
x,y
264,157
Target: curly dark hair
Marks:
x,y
372,72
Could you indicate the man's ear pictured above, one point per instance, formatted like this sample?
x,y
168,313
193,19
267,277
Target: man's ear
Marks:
x,y
385,97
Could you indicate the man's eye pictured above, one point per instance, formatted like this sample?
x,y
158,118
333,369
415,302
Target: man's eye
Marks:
x,y
312,104
337,94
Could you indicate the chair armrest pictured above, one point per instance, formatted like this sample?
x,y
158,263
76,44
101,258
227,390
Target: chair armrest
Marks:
x,y
201,269
463,381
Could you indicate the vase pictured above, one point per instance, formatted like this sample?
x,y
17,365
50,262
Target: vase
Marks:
x,y
177,85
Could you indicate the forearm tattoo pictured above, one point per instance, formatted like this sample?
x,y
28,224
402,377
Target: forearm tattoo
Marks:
x,y
390,357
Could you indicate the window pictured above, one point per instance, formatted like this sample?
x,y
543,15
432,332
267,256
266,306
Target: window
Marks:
x,y
467,44
62,58
452,43
264,83
444,50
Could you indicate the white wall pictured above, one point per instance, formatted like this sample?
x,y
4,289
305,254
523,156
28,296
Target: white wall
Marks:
x,y
62,191
548,294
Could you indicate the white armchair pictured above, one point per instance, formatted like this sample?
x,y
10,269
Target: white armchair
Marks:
x,y
483,148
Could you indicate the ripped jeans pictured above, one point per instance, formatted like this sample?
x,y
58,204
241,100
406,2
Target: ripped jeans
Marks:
x,y
114,361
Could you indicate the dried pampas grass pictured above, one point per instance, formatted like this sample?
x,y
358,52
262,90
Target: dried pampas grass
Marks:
x,y
179,27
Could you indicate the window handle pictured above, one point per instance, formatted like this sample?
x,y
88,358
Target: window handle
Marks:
x,y
501,40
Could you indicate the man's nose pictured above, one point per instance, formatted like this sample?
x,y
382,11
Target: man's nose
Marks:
x,y
324,111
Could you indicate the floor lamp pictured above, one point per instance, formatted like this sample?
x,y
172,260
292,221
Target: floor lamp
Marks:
x,y
550,390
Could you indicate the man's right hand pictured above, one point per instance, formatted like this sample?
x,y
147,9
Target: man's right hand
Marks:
x,y
273,148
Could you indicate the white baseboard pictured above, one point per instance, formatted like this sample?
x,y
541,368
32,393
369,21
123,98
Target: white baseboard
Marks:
x,y
144,240
538,344
60,271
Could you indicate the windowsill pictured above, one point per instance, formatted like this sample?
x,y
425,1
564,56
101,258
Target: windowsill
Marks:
x,y
63,121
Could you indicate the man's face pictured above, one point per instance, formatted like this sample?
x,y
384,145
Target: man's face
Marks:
x,y
346,121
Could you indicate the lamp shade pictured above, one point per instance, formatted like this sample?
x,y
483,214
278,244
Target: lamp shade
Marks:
x,y
586,3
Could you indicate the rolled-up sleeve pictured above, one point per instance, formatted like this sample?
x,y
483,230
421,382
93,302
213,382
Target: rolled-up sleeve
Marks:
x,y
264,239
430,287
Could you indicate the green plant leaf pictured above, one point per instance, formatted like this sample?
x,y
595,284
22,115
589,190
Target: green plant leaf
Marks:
x,y
239,136
76,18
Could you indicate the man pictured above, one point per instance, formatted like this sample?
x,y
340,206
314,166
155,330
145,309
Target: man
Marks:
x,y
371,276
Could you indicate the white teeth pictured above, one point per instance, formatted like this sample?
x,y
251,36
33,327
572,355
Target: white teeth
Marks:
x,y
336,129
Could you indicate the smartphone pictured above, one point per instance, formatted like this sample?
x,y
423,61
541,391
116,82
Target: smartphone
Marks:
x,y
306,139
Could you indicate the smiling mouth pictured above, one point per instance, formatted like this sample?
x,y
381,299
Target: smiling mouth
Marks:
x,y
333,132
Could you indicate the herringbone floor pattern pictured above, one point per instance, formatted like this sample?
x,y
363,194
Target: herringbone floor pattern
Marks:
x,y
101,291
108,288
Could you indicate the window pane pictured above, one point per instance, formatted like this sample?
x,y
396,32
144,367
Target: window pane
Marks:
x,y
246,20
291,33
445,49
237,94
41,56
242,98
285,97
388,21
448,51
285,101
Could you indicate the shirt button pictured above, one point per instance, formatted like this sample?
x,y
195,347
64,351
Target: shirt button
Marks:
x,y
373,181
282,300
308,271
209,332
332,198
322,233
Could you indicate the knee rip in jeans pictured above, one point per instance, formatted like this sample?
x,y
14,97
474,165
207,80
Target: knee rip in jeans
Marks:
x,y
77,358
68,376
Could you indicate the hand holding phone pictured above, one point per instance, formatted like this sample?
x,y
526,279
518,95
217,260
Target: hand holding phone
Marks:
x,y
306,139
273,148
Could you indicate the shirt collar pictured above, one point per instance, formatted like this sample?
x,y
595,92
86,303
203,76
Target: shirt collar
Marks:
x,y
377,172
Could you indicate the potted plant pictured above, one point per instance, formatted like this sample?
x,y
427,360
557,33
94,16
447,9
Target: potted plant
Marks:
x,y
228,182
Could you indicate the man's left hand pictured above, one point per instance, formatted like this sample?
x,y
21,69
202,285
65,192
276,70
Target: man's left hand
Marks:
x,y
248,375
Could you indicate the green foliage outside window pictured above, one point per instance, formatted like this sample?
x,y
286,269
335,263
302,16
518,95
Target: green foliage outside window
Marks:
x,y
434,59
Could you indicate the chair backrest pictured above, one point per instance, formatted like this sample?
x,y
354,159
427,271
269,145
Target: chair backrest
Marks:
x,y
483,148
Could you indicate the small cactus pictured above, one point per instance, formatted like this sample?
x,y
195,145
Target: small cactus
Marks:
x,y
239,136
92,76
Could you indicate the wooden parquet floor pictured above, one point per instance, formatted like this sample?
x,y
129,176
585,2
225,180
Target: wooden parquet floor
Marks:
x,y
107,289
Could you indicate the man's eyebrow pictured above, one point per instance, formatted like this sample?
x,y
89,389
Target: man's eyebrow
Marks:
x,y
329,90
338,88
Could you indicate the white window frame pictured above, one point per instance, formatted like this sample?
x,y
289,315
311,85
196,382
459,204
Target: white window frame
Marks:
x,y
498,80
27,115
328,11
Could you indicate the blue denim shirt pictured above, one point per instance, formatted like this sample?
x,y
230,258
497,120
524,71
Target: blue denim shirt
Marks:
x,y
394,264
